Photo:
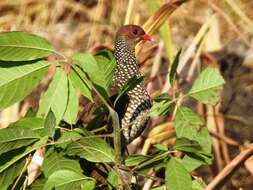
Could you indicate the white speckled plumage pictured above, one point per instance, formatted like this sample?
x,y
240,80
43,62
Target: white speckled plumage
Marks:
x,y
136,115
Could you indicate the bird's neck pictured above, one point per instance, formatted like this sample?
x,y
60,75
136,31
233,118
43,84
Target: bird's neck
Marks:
x,y
122,44
126,61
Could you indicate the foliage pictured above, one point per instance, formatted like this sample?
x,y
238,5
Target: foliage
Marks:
x,y
71,149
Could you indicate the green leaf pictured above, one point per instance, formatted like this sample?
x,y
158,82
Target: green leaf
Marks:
x,y
38,184
50,124
17,80
163,96
79,81
89,185
130,85
8,159
68,137
207,86
32,123
186,145
71,112
13,138
65,180
198,184
173,70
134,160
176,176
157,160
191,163
100,68
106,64
30,113
204,139
23,46
112,180
160,108
56,161
205,142
56,96
161,147
187,123
93,149
8,176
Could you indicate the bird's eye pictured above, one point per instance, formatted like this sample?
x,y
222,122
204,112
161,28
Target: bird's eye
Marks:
x,y
135,31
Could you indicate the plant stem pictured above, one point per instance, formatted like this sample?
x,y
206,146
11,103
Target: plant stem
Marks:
x,y
115,121
28,160
116,135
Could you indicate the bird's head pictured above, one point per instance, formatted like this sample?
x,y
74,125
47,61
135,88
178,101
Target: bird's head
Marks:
x,y
132,34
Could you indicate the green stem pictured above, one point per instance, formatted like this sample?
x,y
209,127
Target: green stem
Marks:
x,y
115,121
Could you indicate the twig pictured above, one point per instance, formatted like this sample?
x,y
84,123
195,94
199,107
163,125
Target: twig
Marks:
x,y
220,125
211,125
230,167
148,184
226,139
28,160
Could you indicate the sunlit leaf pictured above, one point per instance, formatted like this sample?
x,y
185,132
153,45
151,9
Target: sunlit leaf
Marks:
x,y
71,112
207,86
160,108
50,123
56,161
176,176
190,163
187,123
56,96
112,180
13,138
79,81
93,149
23,46
186,145
204,139
134,160
100,68
38,184
66,180
198,184
193,160
18,79
68,137
32,123
160,146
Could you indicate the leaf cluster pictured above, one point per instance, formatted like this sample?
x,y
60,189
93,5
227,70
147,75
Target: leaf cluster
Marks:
x,y
71,150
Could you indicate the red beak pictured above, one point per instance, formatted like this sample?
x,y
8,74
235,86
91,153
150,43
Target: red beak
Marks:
x,y
147,37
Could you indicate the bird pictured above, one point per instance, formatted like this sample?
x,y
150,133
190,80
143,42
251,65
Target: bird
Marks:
x,y
133,109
